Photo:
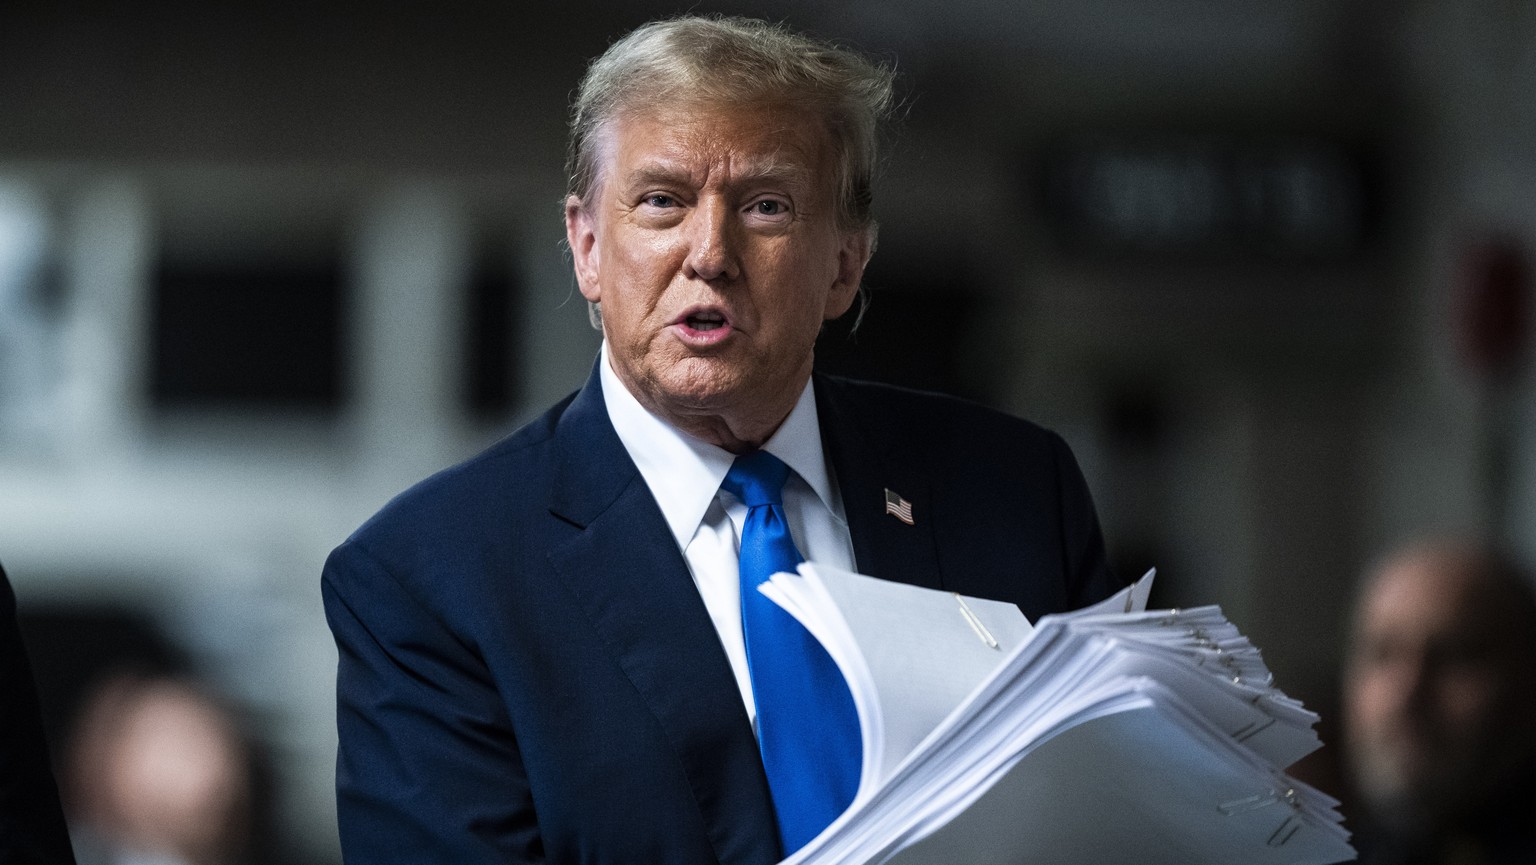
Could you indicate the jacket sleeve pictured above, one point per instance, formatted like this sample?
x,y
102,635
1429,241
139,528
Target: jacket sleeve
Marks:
x,y
32,830
1088,575
428,769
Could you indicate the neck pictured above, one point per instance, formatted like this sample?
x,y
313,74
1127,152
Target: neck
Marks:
x,y
738,419
735,428
719,431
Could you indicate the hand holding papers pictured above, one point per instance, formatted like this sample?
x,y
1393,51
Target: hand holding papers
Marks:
x,y
1104,735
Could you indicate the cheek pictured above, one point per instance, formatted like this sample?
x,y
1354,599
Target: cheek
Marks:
x,y
1381,690
796,322
1366,696
1468,699
802,289
633,275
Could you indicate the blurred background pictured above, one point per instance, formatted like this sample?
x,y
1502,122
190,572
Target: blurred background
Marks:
x,y
1266,266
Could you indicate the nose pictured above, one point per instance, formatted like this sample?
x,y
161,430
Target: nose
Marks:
x,y
1415,682
713,254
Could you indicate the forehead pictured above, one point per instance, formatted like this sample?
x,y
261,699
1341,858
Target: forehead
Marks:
x,y
1415,595
1443,596
704,142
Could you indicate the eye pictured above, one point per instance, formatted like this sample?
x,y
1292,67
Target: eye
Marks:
x,y
769,207
660,200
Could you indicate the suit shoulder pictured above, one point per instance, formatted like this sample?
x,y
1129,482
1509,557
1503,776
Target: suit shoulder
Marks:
x,y
932,419
504,473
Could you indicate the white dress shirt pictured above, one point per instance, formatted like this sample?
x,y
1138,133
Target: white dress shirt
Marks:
x,y
684,475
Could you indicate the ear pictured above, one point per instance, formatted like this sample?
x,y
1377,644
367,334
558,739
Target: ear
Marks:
x,y
852,255
581,236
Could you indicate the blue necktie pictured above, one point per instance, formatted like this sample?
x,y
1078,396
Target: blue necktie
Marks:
x,y
807,726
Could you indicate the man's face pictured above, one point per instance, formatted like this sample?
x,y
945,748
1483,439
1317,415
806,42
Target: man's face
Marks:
x,y
1430,693
711,241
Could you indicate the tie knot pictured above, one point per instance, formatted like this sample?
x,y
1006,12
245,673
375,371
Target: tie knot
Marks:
x,y
757,479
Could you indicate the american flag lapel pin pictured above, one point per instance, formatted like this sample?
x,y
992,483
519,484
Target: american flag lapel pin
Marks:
x,y
898,507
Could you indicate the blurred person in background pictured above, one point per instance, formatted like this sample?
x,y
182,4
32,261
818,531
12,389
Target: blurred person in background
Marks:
x,y
32,829
1440,708
159,773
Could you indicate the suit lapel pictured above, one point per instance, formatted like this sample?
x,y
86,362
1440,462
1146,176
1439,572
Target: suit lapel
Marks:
x,y
866,467
627,574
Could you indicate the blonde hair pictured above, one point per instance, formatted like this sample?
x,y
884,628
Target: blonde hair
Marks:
x,y
725,61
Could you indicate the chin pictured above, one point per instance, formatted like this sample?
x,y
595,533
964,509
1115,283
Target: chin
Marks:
x,y
700,400
700,383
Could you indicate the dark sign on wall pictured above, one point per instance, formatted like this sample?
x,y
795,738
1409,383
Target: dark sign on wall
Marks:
x,y
1210,197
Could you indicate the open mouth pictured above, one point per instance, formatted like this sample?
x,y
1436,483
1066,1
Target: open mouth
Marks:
x,y
705,321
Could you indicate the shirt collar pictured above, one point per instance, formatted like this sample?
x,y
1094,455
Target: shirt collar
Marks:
x,y
684,473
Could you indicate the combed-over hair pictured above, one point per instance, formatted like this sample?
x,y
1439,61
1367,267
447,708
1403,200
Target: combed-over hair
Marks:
x,y
725,61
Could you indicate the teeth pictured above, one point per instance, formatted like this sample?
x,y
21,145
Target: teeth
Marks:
x,y
706,321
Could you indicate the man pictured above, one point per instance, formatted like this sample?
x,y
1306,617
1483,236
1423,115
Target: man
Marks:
x,y
542,650
32,830
160,772
1440,703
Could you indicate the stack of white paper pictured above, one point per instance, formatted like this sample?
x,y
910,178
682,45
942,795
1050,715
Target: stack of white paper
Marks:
x,y
1110,734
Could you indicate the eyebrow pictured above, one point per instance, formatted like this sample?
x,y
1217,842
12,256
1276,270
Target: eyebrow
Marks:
x,y
648,175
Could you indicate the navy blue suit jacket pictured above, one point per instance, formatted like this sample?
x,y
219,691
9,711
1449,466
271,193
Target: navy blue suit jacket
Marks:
x,y
528,673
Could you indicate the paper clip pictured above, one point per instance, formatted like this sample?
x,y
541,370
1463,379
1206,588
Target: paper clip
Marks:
x,y
1253,729
1291,825
1248,803
975,623
1202,638
1287,830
